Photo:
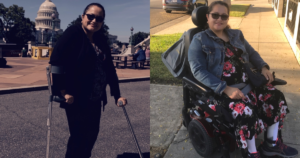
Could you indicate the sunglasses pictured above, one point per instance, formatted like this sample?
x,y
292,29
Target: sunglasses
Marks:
x,y
216,16
92,17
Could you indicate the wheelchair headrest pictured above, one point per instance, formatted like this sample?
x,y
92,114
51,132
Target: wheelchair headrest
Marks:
x,y
199,16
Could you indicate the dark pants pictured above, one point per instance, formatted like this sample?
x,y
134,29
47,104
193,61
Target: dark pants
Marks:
x,y
84,127
134,58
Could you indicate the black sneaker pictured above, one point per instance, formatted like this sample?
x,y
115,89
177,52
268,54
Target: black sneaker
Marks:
x,y
279,149
253,155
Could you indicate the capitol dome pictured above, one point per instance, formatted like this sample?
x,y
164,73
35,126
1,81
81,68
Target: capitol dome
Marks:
x,y
43,21
48,5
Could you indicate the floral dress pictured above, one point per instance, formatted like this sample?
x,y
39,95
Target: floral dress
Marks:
x,y
263,107
100,76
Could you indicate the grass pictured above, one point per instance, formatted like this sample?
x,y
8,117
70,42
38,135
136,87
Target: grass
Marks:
x,y
238,10
158,71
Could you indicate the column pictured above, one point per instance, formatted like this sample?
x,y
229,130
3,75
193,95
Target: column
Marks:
x,y
279,7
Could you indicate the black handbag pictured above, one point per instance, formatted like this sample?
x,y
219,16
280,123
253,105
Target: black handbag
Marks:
x,y
255,77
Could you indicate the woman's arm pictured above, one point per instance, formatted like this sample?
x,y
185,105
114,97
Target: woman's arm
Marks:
x,y
198,64
59,57
112,79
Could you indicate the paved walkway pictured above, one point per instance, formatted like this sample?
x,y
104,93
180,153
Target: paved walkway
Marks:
x,y
23,130
30,72
262,30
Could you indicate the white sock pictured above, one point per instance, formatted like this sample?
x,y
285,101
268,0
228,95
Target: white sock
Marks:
x,y
251,145
272,132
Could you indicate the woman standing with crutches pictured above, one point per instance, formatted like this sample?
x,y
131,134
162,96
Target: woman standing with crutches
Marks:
x,y
84,54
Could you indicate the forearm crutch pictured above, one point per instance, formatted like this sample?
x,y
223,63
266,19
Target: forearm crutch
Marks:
x,y
53,97
49,111
131,129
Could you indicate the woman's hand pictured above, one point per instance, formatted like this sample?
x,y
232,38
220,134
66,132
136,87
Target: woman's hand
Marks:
x,y
124,100
69,98
267,74
234,93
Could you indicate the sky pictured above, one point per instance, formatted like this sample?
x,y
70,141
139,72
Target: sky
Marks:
x,y
121,15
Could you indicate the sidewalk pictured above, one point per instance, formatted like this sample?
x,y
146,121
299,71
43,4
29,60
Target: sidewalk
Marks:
x,y
262,30
30,72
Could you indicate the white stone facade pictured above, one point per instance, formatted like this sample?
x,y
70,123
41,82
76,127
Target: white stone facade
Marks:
x,y
43,21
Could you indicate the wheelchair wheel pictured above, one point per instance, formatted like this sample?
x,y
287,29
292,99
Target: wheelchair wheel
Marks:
x,y
201,141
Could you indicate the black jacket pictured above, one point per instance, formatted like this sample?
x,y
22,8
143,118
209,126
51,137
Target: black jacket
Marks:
x,y
76,54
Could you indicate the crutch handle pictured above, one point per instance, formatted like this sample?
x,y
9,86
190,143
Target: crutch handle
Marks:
x,y
120,103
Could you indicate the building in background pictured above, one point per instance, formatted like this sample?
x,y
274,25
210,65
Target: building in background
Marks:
x,y
112,38
43,21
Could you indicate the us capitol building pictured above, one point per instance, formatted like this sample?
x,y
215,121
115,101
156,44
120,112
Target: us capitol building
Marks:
x,y
43,21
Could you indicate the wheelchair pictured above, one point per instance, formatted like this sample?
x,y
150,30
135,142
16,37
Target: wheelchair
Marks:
x,y
208,129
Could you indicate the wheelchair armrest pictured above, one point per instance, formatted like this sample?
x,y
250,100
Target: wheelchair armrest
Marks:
x,y
278,81
197,86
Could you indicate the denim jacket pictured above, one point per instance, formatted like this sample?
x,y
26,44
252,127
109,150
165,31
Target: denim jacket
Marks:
x,y
207,53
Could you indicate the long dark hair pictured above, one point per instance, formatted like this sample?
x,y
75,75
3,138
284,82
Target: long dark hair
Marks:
x,y
94,4
211,6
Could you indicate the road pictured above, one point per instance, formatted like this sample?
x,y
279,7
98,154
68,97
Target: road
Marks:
x,y
23,125
158,16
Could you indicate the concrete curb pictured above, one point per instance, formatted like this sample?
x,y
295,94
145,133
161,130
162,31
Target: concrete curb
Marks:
x,y
45,87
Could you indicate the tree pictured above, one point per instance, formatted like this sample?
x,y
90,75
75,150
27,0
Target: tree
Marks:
x,y
77,21
120,44
56,37
21,32
138,37
18,29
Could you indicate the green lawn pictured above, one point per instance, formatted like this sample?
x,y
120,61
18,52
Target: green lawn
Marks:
x,y
158,71
238,10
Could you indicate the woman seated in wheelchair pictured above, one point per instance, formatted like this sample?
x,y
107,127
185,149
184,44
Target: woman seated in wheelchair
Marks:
x,y
216,58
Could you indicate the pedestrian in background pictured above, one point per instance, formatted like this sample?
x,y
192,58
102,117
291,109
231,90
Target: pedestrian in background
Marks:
x,y
29,53
23,53
140,55
147,53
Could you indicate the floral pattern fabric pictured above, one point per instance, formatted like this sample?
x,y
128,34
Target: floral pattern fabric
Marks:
x,y
262,107
100,76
